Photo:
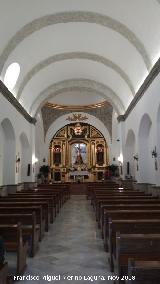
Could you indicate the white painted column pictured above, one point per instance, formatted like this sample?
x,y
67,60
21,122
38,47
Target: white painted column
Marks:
x,y
122,160
33,157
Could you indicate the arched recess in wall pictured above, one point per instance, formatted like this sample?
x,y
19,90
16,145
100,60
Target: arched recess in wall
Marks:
x,y
129,153
24,156
1,155
9,152
62,121
39,138
144,153
158,143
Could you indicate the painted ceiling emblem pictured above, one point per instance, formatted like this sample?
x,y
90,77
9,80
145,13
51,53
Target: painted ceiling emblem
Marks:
x,y
77,117
78,129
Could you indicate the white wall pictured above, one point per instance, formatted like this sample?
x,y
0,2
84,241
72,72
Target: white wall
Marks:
x,y
39,142
115,146
147,133
129,153
158,144
25,154
10,147
8,152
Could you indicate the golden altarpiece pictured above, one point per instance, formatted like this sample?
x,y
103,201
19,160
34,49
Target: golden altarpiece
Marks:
x,y
78,152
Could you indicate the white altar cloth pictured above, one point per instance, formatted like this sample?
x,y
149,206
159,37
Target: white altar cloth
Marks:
x,y
79,173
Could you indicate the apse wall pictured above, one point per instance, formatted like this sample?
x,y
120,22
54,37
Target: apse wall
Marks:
x,y
16,145
62,121
144,122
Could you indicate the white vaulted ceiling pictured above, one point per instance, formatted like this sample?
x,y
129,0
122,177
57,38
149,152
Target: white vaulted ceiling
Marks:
x,y
71,50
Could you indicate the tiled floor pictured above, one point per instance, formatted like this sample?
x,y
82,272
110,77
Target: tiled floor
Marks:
x,y
72,247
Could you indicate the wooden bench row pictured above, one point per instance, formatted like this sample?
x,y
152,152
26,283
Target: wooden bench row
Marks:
x,y
130,223
120,199
100,185
143,272
141,247
24,217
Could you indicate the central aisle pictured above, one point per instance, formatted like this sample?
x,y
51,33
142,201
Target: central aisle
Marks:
x,y
72,247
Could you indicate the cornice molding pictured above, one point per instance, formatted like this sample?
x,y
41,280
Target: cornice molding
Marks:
x,y
81,85
74,17
76,107
9,96
74,55
147,82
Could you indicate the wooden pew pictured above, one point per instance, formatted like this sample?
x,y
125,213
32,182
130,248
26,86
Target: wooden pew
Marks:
x,y
118,193
105,196
133,206
110,191
13,238
40,223
4,273
44,204
139,246
119,190
126,214
120,201
104,186
138,226
29,229
143,272
49,197
62,188
3,264
61,196
58,195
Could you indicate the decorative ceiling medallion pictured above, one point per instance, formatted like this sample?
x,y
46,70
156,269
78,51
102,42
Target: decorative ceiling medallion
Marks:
x,y
78,129
75,107
77,117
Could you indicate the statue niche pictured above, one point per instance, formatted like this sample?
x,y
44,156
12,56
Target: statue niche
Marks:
x,y
78,154
57,155
79,160
100,154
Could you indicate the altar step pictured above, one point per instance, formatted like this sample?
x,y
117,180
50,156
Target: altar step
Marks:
x,y
78,188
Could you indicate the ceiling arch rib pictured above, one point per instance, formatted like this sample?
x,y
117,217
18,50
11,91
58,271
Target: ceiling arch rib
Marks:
x,y
123,11
80,16
69,38
74,55
75,99
77,68
74,89
80,83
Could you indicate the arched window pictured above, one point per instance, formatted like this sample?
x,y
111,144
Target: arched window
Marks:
x,y
11,76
